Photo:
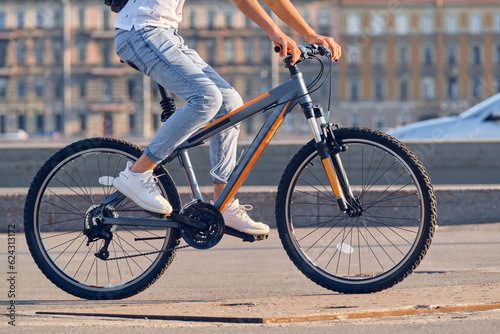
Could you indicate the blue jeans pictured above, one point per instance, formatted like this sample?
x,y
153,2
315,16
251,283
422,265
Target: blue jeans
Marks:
x,y
161,54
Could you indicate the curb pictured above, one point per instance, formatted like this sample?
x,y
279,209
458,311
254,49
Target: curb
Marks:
x,y
457,205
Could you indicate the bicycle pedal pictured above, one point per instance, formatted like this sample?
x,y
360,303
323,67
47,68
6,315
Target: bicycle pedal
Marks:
x,y
244,236
261,237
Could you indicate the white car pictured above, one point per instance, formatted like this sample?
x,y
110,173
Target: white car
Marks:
x,y
479,122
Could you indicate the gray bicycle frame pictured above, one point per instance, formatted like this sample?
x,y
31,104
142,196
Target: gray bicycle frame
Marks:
x,y
284,97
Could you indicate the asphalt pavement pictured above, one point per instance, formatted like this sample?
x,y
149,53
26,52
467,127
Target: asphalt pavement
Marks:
x,y
254,287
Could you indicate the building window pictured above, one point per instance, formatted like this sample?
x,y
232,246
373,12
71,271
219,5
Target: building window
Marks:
x,y
229,50
355,120
40,123
21,88
81,18
497,55
192,19
427,24
451,55
58,18
20,19
57,49
476,55
131,88
39,87
83,122
59,89
428,56
475,24
3,124
379,121
59,123
403,90
2,21
477,89
377,24
403,55
404,118
450,24
81,45
353,24
354,89
248,52
402,24
106,19
353,55
210,49
265,50
106,53
378,54
21,51
3,53
83,88
131,122
379,88
211,19
428,88
39,18
108,90
229,20
21,122
324,17
452,88
497,23
39,51
3,87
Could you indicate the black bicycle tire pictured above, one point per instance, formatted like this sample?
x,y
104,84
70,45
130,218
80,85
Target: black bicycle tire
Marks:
x,y
428,221
37,250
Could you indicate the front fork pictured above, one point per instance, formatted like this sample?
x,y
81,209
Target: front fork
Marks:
x,y
328,149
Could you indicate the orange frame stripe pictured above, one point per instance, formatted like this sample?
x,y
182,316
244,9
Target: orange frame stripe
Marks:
x,y
334,183
254,159
234,112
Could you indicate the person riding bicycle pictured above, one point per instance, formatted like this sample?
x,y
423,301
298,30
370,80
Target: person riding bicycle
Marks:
x,y
147,38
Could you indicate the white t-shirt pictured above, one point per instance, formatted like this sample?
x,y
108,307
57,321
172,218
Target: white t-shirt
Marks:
x,y
158,13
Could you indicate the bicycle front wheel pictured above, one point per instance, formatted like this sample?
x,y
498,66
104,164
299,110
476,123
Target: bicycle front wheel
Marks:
x,y
62,197
370,252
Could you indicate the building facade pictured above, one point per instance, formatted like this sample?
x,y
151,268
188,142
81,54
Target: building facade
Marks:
x,y
403,61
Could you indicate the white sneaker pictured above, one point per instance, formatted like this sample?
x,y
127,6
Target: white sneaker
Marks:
x,y
143,190
236,216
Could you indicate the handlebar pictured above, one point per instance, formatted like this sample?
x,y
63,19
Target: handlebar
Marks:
x,y
308,51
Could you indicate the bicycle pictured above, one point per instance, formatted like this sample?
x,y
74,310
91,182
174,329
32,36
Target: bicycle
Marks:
x,y
355,209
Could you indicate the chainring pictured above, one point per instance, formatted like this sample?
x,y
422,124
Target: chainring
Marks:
x,y
212,234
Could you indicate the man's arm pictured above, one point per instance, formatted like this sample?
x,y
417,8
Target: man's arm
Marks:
x,y
289,14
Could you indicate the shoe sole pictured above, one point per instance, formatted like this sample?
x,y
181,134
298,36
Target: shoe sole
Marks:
x,y
125,190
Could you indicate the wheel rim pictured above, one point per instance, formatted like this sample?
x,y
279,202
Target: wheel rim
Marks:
x,y
72,189
357,250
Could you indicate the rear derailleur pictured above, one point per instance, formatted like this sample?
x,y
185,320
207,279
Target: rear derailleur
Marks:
x,y
95,229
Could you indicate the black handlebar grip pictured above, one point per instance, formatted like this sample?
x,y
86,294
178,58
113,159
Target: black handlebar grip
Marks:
x,y
278,48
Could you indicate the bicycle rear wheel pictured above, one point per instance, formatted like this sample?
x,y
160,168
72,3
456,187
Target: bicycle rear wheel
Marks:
x,y
62,196
370,252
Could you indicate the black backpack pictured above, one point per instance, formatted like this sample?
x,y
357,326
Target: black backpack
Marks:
x,y
116,5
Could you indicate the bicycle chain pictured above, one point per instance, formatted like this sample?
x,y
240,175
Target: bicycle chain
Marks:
x,y
146,254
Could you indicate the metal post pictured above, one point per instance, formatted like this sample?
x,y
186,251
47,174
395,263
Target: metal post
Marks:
x,y
146,110
66,65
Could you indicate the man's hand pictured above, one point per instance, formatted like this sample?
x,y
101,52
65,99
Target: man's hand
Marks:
x,y
326,41
287,45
